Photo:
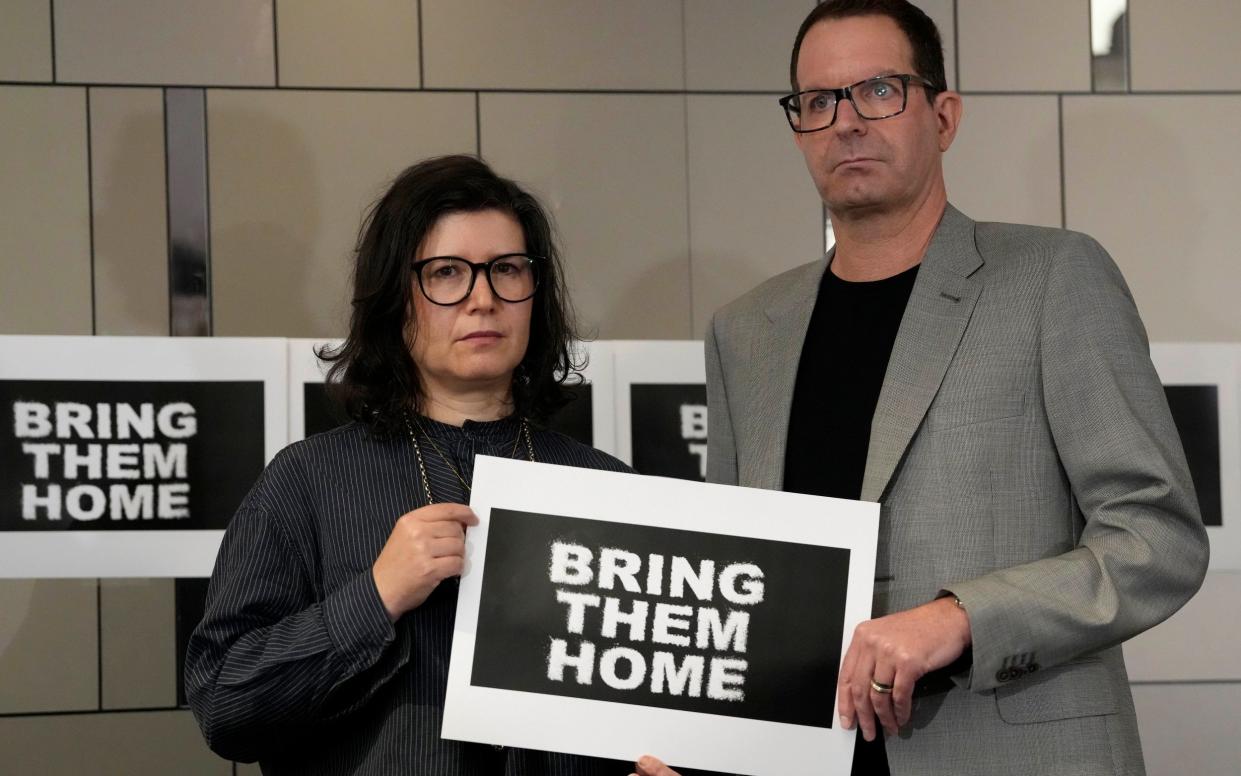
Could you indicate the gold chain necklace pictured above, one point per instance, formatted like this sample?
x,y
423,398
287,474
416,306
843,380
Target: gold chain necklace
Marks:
x,y
523,431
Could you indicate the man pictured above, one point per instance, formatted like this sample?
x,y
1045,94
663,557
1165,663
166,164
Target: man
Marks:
x,y
990,386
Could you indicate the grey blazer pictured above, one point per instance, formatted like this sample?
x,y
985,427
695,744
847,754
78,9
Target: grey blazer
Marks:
x,y
1025,459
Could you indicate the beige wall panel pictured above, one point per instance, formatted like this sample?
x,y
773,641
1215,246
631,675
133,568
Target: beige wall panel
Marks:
x,y
130,208
223,42
1195,643
48,638
1017,45
943,14
1160,199
138,643
754,211
1019,136
553,44
45,283
363,43
292,174
26,41
612,168
132,744
1190,728
1185,46
741,45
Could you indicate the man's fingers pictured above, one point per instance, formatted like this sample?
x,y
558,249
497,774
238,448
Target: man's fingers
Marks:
x,y
859,691
844,690
902,696
881,702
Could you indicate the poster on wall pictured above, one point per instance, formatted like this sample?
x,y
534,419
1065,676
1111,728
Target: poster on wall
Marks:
x,y
127,456
1201,382
310,409
587,417
651,614
661,408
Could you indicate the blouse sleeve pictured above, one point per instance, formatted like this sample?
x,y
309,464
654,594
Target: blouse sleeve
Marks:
x,y
272,656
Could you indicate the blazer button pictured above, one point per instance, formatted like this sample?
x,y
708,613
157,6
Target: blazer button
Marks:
x,y
1003,675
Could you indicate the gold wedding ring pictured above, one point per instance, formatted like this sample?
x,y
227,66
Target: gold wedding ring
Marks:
x,y
880,687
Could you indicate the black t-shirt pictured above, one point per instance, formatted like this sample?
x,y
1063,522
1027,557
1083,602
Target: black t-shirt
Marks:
x,y
841,371
842,365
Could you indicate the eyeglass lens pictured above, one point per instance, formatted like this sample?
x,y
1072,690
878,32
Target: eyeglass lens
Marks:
x,y
448,280
877,98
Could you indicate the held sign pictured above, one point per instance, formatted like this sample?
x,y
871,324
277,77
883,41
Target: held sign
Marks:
x,y
660,617
701,622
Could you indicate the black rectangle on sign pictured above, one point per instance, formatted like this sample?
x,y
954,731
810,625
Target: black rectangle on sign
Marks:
x,y
1195,408
668,426
140,455
651,636
576,418
319,412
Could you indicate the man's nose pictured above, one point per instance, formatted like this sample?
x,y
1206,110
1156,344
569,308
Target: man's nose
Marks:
x,y
848,119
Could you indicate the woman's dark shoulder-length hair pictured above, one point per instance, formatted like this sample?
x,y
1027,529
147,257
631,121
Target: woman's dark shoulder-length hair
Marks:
x,y
373,377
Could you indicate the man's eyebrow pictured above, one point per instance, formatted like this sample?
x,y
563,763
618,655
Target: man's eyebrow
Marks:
x,y
887,71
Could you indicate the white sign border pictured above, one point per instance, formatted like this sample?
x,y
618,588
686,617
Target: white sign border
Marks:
x,y
670,362
1218,364
80,554
626,731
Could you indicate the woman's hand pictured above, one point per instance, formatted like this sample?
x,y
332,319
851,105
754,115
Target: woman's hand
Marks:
x,y
426,547
649,766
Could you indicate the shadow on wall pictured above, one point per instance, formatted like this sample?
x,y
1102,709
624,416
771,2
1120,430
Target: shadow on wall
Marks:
x,y
1150,221
265,226
134,311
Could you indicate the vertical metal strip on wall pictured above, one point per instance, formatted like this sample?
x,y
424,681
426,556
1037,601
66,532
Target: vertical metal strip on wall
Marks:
x,y
189,236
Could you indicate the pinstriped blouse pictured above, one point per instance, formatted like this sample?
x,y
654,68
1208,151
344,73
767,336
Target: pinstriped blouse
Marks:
x,y
295,663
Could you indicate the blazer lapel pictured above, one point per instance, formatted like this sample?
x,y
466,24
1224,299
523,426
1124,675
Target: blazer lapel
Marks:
x,y
778,346
939,309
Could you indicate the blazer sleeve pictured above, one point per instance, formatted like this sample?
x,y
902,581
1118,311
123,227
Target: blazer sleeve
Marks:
x,y
721,447
271,655
1142,551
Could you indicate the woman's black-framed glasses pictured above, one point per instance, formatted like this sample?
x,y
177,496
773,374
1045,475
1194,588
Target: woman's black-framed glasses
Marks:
x,y
876,98
449,280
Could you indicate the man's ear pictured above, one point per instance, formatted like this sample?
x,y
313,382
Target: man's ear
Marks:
x,y
948,112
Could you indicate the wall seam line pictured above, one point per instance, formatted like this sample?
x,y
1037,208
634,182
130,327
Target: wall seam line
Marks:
x,y
275,41
51,19
422,67
99,639
90,214
208,274
689,225
1064,208
167,209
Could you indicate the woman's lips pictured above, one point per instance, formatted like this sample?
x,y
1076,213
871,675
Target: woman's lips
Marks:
x,y
486,335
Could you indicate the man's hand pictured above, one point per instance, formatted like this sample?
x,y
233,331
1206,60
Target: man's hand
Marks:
x,y
649,766
897,650
426,547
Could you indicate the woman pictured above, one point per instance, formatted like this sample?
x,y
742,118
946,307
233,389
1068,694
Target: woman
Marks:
x,y
324,647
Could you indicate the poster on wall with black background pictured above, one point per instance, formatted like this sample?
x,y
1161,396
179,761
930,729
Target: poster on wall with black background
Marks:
x,y
1201,381
127,456
661,408
652,614
587,417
